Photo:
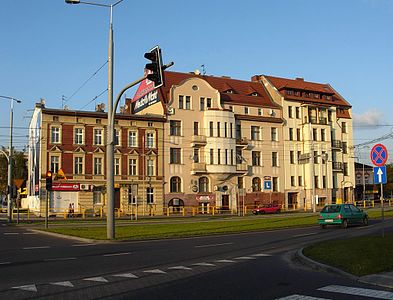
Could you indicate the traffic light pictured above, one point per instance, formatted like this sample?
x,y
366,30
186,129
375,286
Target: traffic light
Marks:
x,y
49,175
155,67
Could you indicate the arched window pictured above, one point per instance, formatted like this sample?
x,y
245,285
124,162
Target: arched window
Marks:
x,y
256,184
175,184
203,184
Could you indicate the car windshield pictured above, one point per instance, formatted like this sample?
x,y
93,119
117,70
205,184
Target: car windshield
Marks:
x,y
331,209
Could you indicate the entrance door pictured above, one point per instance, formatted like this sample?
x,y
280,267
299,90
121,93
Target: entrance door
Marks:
x,y
225,201
292,200
117,198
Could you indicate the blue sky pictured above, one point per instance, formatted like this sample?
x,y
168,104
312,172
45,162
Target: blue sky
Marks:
x,y
49,49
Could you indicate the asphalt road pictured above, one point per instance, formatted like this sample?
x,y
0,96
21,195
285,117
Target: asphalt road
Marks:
x,y
257,265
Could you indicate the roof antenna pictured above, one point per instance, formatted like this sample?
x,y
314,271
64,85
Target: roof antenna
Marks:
x,y
203,70
63,100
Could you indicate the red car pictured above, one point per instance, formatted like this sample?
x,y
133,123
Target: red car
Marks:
x,y
267,209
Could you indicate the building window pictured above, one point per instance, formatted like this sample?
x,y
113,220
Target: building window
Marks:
x,y
175,127
97,197
219,156
293,183
132,139
246,110
78,136
150,195
188,102
203,185
132,194
314,134
291,134
291,157
256,184
196,128
324,157
344,127
210,128
260,111
97,165
231,157
208,102
345,169
54,163
240,182
324,182
195,157
298,136
55,135
274,159
226,156
225,129
132,166
78,165
231,130
300,180
175,155
202,103
211,156
175,185
150,167
117,166
297,112
218,129
275,184
239,156
345,147
150,140
316,157
256,158
274,134
290,112
98,137
181,101
255,133
316,182
323,135
238,131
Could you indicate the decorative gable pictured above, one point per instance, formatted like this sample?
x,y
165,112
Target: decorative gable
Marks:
x,y
98,150
55,149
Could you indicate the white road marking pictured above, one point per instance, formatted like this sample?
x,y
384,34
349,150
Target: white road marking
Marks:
x,y
225,261
126,275
30,288
261,255
63,283
179,268
59,258
204,264
116,254
38,247
155,271
300,297
30,233
82,245
305,234
11,233
357,291
213,245
245,257
5,263
96,279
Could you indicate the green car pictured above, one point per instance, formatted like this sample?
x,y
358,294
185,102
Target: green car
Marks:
x,y
341,214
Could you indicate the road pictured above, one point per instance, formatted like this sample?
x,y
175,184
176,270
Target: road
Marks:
x,y
256,265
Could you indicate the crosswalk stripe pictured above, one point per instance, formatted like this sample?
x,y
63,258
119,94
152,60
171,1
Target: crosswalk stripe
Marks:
x,y
244,257
126,275
203,264
300,297
179,268
261,255
155,271
357,291
63,283
225,261
30,288
96,279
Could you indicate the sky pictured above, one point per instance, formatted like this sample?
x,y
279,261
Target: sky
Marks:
x,y
58,52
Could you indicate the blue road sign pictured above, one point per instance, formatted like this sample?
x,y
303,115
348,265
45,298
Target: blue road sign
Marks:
x,y
380,175
267,184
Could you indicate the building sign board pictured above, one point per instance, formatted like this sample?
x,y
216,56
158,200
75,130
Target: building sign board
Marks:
x,y
145,96
205,198
65,186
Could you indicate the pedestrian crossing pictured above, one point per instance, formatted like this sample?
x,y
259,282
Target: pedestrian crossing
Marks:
x,y
348,291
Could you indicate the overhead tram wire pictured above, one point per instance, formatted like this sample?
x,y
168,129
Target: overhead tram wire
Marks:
x,y
94,99
83,84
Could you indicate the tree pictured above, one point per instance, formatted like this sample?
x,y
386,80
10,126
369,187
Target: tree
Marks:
x,y
388,187
19,169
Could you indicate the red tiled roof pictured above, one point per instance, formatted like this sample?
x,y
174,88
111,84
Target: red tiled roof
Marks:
x,y
283,84
242,90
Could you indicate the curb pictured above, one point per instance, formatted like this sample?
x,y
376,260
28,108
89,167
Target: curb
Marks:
x,y
69,237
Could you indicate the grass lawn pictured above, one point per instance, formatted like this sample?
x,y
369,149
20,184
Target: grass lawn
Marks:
x,y
359,256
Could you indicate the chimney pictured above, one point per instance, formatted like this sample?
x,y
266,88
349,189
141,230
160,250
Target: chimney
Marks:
x,y
300,78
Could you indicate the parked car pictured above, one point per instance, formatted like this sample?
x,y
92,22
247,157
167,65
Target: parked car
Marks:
x,y
267,209
342,214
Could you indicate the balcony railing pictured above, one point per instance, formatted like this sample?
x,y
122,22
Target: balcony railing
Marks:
x,y
337,144
198,167
323,121
337,166
241,167
198,139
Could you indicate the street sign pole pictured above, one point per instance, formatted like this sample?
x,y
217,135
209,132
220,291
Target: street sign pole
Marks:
x,y
382,212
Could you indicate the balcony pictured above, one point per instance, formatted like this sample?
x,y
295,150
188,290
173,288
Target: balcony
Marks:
x,y
337,166
242,167
242,142
323,121
198,168
198,140
336,144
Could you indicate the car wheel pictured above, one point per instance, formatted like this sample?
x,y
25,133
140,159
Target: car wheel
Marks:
x,y
323,226
344,224
365,221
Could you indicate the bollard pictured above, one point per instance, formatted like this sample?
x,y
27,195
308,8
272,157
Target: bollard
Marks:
x,y
84,213
364,203
183,211
65,214
167,211
101,212
373,203
28,213
193,211
213,210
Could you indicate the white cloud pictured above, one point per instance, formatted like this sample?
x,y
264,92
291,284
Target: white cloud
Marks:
x,y
368,119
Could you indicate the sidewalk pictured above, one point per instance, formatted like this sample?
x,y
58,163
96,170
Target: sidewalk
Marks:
x,y
381,279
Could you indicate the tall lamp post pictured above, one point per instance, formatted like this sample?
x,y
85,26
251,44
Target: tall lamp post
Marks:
x,y
110,215
9,204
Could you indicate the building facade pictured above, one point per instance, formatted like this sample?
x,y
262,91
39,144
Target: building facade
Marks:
x,y
72,145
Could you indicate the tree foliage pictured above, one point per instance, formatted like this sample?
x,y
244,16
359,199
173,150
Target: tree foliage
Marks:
x,y
19,169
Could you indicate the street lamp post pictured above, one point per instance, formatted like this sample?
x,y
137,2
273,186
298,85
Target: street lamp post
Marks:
x,y
110,216
9,204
